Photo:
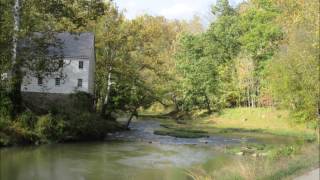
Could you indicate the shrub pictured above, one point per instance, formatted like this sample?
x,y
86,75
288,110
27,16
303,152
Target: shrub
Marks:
x,y
85,126
4,138
19,134
285,151
5,109
19,130
27,119
50,128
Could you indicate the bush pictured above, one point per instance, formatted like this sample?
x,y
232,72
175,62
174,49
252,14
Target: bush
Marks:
x,y
71,126
285,151
19,130
19,134
85,126
50,128
4,124
27,119
5,110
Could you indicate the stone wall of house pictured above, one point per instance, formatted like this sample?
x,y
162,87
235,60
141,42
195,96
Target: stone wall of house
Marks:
x,y
42,103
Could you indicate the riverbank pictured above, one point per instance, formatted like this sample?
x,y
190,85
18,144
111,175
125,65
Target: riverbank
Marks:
x,y
284,166
281,148
142,154
31,129
244,122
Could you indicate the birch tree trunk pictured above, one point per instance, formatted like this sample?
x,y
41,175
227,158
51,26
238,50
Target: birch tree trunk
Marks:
x,y
248,96
109,83
109,86
16,77
16,27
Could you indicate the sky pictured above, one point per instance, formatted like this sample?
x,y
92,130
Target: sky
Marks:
x,y
171,9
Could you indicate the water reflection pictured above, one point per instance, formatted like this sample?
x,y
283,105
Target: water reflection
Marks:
x,y
125,160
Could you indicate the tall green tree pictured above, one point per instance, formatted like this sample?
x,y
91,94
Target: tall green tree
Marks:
x,y
294,71
260,38
200,81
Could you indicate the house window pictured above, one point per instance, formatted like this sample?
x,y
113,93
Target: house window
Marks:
x,y
60,63
79,82
80,64
40,81
57,81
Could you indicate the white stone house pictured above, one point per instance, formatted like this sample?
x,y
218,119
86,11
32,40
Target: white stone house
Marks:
x,y
78,68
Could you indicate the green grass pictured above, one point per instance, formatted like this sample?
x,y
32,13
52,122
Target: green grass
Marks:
x,y
264,119
261,123
286,166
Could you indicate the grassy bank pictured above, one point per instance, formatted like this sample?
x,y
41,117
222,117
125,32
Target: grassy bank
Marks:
x,y
245,122
279,166
283,147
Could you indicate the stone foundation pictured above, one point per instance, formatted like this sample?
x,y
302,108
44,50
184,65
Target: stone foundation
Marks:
x,y
43,102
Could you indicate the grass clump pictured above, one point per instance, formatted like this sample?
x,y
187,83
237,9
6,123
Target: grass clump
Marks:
x,y
288,165
182,133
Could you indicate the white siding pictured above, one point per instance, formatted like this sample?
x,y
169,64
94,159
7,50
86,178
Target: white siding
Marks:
x,y
92,72
68,84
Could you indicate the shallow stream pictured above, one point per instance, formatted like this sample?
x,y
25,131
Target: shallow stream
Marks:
x,y
135,154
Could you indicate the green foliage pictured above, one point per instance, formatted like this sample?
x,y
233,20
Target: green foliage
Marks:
x,y
222,46
129,97
86,126
6,30
5,105
18,132
222,8
74,120
27,119
285,151
50,128
136,55
260,34
5,116
294,71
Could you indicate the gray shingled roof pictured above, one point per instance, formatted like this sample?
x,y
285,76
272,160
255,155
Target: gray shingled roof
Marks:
x,y
76,45
79,45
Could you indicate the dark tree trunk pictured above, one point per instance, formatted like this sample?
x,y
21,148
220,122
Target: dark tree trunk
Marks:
x,y
207,101
15,94
103,110
174,99
134,113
